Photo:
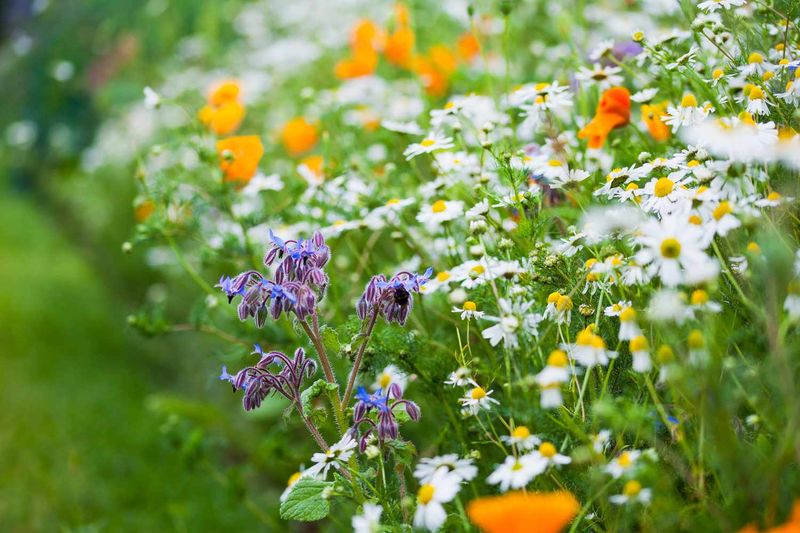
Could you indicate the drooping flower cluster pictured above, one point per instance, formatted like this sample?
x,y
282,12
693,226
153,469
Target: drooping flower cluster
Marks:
x,y
392,299
300,281
383,405
274,373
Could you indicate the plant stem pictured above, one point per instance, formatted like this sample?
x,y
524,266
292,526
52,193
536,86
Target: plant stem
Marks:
x,y
359,356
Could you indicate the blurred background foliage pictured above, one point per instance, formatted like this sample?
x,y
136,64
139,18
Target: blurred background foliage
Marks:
x,y
101,430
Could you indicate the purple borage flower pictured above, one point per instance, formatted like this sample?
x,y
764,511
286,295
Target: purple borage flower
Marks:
x,y
300,281
274,372
383,405
393,298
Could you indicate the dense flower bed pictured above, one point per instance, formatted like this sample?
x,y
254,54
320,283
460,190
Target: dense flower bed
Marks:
x,y
518,267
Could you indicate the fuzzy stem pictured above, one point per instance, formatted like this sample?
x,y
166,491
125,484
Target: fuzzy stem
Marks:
x,y
359,356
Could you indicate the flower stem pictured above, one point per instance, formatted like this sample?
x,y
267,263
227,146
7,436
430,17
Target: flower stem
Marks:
x,y
359,356
316,340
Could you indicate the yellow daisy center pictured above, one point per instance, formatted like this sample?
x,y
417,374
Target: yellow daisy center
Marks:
x,y
755,57
638,344
521,432
427,142
469,305
557,358
293,479
632,488
670,248
699,297
663,187
688,100
385,380
425,494
628,314
724,208
442,276
625,460
547,450
564,303
439,206
477,393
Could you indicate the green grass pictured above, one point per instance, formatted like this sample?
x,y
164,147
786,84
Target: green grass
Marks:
x,y
79,450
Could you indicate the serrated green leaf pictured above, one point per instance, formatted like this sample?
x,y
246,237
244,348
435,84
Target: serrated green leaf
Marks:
x,y
317,388
305,502
330,339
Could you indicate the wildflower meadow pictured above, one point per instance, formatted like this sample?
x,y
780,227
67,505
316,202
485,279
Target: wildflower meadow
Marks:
x,y
500,266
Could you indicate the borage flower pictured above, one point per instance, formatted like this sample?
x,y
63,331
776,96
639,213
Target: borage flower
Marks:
x,y
384,406
393,298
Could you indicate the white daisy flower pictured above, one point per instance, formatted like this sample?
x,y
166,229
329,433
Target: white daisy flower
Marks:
x,y
433,142
390,375
432,216
633,492
461,377
522,438
603,77
516,472
369,521
712,5
441,488
477,398
468,310
336,457
623,463
463,468
688,113
640,351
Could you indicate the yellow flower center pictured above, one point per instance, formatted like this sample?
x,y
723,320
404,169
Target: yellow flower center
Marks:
x,y
631,187
724,208
439,206
479,269
469,305
632,488
665,354
585,338
695,339
517,466
670,248
555,163
553,297
427,142
768,75
442,276
756,93
385,380
564,303
663,187
625,460
689,100
774,196
425,494
753,247
638,344
718,73
695,219
693,163
293,479
547,450
628,314
557,358
393,201
521,432
478,393
699,297
755,57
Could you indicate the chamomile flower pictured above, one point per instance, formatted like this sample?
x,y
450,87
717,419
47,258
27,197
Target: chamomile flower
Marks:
x,y
369,521
640,351
391,375
617,308
477,398
628,328
603,77
550,379
547,455
623,463
589,349
463,468
432,216
559,308
663,195
672,250
757,104
522,438
601,440
688,113
712,5
633,492
461,377
699,301
468,310
433,142
516,472
293,479
335,457
441,488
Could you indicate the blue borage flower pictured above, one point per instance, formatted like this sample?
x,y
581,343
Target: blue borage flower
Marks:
x,y
393,298
384,405
261,380
300,281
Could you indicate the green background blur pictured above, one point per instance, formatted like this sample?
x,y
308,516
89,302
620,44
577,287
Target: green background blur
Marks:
x,y
100,428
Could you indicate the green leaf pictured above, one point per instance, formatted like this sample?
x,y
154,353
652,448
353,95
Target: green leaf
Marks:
x,y
305,502
330,339
317,388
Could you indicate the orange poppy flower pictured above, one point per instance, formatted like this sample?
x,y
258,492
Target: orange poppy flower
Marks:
x,y
433,79
613,111
367,34
223,92
239,157
467,46
518,512
224,119
400,47
651,115
362,62
790,526
299,136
